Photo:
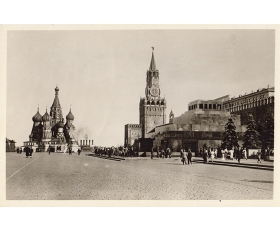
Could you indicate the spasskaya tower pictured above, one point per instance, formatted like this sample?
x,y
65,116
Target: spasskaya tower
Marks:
x,y
152,106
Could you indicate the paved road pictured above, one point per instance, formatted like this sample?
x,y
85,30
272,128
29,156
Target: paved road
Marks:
x,y
84,177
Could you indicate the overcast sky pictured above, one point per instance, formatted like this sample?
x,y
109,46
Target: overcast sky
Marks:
x,y
102,74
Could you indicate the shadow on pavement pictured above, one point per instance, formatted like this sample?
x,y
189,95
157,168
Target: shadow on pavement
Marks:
x,y
259,181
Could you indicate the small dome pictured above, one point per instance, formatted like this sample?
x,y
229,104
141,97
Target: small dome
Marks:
x,y
70,116
46,117
60,124
56,88
37,117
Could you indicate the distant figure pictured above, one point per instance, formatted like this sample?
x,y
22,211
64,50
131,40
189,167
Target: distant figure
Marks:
x,y
168,153
20,151
184,156
244,153
70,151
152,154
239,154
215,153
259,156
79,151
205,156
189,156
31,151
17,150
231,154
162,154
212,154
223,154
27,150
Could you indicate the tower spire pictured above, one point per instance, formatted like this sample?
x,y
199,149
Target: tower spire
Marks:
x,y
153,63
56,110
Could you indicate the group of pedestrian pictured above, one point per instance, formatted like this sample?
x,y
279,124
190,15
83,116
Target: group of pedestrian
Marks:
x,y
186,156
161,153
19,150
116,151
209,153
28,152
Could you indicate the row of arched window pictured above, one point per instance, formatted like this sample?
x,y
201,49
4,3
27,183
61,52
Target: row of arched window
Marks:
x,y
155,102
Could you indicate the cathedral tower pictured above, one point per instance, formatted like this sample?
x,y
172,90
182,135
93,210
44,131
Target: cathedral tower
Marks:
x,y
56,110
46,118
37,129
152,107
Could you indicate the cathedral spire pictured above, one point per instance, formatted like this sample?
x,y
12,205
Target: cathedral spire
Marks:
x,y
153,63
56,110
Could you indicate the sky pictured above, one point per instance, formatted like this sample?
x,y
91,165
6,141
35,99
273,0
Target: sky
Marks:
x,y
102,74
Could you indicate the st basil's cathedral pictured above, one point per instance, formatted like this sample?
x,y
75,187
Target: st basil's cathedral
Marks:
x,y
51,132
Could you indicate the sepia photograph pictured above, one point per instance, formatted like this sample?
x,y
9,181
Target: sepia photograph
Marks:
x,y
135,113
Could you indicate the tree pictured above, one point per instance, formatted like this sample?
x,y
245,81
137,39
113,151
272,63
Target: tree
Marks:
x,y
251,138
230,139
268,132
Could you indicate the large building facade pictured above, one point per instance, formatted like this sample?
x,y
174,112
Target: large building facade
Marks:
x,y
257,103
203,124
51,132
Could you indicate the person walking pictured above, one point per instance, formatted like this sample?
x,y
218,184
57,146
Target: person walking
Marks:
x,y
162,153
212,154
239,154
31,151
70,150
205,156
79,151
244,153
189,156
152,154
168,153
223,154
27,150
259,156
183,156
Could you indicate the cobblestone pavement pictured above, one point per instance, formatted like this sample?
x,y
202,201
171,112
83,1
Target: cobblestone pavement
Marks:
x,y
84,177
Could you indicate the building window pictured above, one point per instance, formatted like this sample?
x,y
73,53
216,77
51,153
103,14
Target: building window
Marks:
x,y
210,106
189,107
200,106
214,106
205,106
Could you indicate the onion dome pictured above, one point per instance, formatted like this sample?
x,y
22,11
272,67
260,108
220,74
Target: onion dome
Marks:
x,y
60,124
56,89
46,117
70,116
37,117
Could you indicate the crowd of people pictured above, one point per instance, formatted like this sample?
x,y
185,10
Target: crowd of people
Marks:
x,y
238,153
207,153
